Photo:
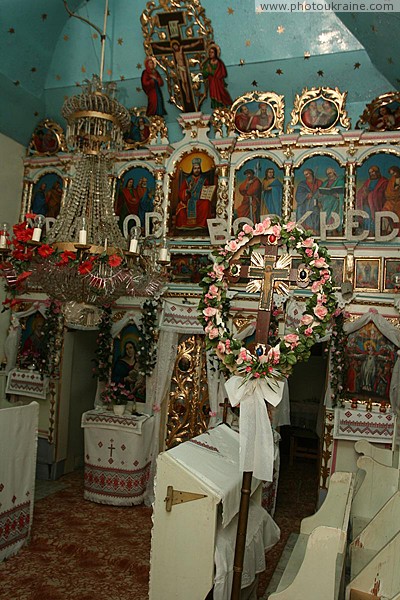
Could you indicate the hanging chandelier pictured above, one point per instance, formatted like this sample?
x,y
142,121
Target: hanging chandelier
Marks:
x,y
84,257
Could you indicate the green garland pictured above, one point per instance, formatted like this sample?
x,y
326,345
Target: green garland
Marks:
x,y
146,347
51,332
103,351
337,352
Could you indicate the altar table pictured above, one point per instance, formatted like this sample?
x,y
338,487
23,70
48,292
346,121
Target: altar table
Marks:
x,y
18,435
117,457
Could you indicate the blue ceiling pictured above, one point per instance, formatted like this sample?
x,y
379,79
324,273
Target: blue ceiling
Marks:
x,y
46,53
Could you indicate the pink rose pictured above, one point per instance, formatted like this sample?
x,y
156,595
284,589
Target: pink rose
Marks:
x,y
214,333
276,230
209,311
321,299
259,229
325,275
309,252
247,228
292,340
316,286
218,270
274,355
319,263
290,226
221,347
240,235
306,319
308,243
213,290
232,246
228,344
308,331
320,311
267,223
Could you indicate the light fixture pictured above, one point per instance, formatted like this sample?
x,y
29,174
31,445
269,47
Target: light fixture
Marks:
x,y
84,257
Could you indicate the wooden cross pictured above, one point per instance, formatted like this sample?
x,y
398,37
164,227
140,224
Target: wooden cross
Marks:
x,y
174,21
111,448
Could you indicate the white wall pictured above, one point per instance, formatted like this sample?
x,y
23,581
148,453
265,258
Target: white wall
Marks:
x,y
11,183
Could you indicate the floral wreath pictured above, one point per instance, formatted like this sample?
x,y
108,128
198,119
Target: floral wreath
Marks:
x,y
275,362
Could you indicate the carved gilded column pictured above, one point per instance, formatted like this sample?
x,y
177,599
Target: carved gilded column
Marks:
x,y
350,197
222,192
158,206
327,441
26,198
287,200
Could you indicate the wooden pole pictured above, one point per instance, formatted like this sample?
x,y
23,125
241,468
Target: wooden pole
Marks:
x,y
240,547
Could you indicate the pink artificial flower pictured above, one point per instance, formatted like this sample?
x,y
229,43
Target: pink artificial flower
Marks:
x,y
209,311
308,331
319,263
292,340
316,286
214,333
325,275
267,223
228,344
248,369
274,355
306,319
212,413
257,375
247,228
213,291
232,246
276,230
308,243
321,299
290,226
221,347
218,270
241,235
320,311
156,408
259,229
309,252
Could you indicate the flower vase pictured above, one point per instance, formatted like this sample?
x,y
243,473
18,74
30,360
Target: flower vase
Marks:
x,y
119,409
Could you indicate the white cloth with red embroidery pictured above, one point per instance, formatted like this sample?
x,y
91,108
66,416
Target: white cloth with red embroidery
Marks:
x,y
255,432
18,435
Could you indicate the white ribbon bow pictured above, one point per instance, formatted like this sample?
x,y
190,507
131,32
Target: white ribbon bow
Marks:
x,y
255,432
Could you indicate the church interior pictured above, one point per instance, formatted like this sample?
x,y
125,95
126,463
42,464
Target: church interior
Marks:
x,y
200,279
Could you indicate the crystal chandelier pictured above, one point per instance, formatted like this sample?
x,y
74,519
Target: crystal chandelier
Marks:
x,y
84,256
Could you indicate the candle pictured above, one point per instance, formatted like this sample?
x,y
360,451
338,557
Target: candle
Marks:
x,y
37,234
82,237
105,245
3,241
133,246
164,255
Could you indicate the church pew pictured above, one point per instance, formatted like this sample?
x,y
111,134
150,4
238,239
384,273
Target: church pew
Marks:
x,y
379,484
385,456
379,531
320,548
381,575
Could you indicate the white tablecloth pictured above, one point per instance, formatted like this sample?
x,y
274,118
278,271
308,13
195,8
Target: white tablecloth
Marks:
x,y
214,458
117,457
18,436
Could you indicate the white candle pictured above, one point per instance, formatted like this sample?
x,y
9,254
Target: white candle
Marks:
x,y
133,246
37,234
3,241
105,245
164,255
82,236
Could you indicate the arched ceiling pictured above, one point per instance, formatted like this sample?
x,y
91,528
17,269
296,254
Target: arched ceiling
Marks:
x,y
46,53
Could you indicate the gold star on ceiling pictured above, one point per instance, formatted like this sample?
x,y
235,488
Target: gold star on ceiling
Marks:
x,y
33,70
120,41
242,62
357,65
95,36
58,77
279,72
374,29
320,73
138,66
390,60
83,69
254,83
280,29
307,55
122,77
138,89
248,42
36,114
11,30
109,71
44,16
16,83
66,38
230,11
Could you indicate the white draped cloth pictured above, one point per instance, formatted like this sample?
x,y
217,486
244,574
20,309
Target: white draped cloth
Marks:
x,y
18,435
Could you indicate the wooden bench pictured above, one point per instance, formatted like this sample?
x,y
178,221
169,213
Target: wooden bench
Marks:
x,y
374,554
315,567
380,483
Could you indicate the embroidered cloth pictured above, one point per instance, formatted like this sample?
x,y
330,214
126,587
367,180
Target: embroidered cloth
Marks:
x,y
27,383
18,435
117,457
353,424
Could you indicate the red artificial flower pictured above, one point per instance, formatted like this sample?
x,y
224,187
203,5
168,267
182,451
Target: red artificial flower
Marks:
x,y
11,302
45,250
22,232
21,278
114,260
30,215
66,256
85,267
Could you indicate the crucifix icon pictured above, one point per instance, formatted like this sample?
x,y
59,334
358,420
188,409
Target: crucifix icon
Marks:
x,y
265,274
179,48
111,448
